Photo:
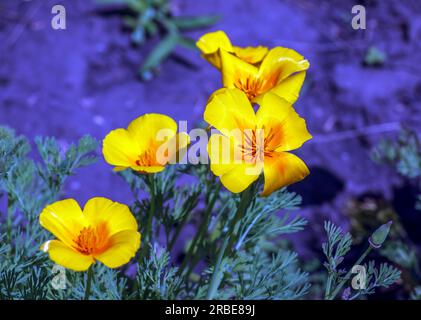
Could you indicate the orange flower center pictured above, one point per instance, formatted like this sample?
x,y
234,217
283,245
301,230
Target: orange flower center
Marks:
x,y
147,159
255,86
92,239
257,144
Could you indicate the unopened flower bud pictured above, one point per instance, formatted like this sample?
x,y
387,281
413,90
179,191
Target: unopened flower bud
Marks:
x,y
379,236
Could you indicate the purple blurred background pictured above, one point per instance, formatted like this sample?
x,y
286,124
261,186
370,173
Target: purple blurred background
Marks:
x,y
83,80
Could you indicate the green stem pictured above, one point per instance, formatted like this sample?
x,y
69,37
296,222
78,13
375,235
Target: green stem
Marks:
x,y
230,238
348,275
328,285
218,271
9,221
355,296
89,283
177,232
246,197
201,232
149,222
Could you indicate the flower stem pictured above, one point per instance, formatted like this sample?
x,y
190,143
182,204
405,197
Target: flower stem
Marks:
x,y
218,271
201,232
329,285
348,275
9,221
230,238
149,221
89,283
177,232
245,200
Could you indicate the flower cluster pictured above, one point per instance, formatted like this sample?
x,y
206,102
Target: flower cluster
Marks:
x,y
257,141
248,144
255,70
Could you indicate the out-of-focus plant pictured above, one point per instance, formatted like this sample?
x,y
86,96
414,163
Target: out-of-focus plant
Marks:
x,y
369,211
153,18
404,154
374,57
405,255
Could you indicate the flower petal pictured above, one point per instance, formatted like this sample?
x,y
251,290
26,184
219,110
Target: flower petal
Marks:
x,y
122,247
288,89
229,110
152,127
280,63
277,115
120,148
117,216
64,219
240,177
220,151
148,169
67,257
118,169
236,73
210,43
213,41
282,169
251,55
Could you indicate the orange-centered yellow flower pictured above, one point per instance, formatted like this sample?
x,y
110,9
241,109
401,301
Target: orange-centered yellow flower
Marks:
x,y
148,144
105,231
253,143
255,70
210,44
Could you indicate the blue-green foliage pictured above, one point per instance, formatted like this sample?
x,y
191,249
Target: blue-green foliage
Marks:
x,y
237,237
27,187
201,201
404,154
335,249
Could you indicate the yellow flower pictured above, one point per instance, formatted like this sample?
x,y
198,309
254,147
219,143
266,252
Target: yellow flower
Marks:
x,y
255,70
210,44
251,143
149,143
105,231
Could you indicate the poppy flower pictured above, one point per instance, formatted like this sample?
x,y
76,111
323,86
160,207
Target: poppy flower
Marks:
x,y
251,143
255,70
148,144
104,231
210,43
